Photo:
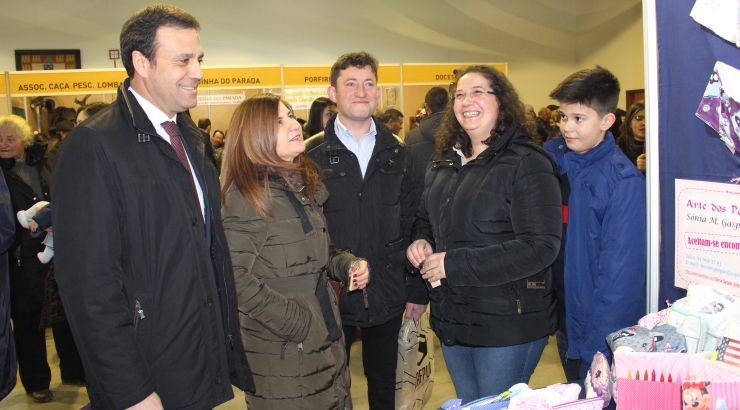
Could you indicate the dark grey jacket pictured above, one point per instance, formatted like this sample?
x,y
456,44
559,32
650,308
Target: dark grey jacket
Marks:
x,y
294,343
498,219
27,276
148,291
420,143
8,368
372,218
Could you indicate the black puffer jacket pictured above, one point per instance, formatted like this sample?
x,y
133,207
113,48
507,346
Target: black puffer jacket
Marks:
x,y
421,143
149,292
372,218
498,219
27,276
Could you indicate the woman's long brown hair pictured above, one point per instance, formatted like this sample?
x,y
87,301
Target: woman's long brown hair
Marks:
x,y
250,152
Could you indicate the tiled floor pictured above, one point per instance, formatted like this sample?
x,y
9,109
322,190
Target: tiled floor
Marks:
x,y
548,372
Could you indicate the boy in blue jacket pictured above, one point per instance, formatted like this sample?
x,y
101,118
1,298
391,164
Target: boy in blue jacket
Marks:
x,y
602,272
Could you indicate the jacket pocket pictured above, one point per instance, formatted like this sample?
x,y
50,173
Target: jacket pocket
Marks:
x,y
390,189
532,294
396,253
336,178
493,227
293,328
143,317
394,245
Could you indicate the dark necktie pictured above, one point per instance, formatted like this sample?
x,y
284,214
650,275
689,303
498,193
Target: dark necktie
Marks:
x,y
176,141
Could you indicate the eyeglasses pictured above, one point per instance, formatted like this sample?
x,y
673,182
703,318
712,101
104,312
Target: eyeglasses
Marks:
x,y
474,95
638,118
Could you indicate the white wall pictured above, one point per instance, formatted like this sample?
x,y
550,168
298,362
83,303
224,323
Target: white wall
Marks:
x,y
539,39
617,45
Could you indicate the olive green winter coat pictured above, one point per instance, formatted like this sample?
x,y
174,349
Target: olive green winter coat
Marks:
x,y
295,363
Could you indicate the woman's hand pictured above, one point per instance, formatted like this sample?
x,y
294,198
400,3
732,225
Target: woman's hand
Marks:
x,y
418,252
434,267
33,226
359,274
641,163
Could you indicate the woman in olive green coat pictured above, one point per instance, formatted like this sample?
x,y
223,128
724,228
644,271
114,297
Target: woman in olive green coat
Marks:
x,y
288,312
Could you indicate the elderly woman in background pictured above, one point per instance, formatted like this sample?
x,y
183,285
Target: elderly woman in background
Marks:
x,y
290,322
27,174
632,135
487,231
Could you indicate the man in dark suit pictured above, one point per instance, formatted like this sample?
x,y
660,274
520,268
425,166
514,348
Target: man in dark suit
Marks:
x,y
141,258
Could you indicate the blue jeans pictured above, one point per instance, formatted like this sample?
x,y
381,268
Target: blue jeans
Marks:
x,y
487,371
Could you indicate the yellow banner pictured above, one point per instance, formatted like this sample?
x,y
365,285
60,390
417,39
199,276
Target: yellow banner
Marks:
x,y
319,75
2,85
438,73
306,76
389,74
241,77
81,82
66,81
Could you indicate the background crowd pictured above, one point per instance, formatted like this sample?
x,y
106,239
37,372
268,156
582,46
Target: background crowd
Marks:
x,y
313,234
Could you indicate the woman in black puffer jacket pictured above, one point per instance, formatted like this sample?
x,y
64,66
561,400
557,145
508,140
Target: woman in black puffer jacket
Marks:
x,y
487,230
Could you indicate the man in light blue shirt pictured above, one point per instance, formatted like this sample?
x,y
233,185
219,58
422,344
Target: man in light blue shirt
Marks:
x,y
373,198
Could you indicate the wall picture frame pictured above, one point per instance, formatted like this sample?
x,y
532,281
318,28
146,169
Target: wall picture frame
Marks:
x,y
37,60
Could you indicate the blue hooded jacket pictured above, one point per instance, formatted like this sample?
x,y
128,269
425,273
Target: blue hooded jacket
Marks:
x,y
606,249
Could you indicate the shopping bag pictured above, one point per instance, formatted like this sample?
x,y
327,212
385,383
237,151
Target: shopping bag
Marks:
x,y
415,368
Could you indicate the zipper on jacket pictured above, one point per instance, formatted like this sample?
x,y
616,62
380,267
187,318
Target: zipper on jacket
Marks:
x,y
519,306
139,314
224,298
282,351
300,353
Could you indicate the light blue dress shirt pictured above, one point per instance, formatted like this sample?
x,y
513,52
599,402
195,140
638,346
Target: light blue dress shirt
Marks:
x,y
363,149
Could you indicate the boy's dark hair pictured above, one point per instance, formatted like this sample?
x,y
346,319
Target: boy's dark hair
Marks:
x,y
139,33
437,99
358,60
594,87
391,114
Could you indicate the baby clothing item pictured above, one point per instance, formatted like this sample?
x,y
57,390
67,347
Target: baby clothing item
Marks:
x,y
702,316
48,253
546,397
651,320
720,106
598,381
40,212
25,217
720,16
663,338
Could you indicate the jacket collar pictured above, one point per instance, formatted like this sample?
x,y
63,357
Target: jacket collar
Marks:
x,y
383,138
34,154
504,141
573,161
276,181
138,117
143,125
